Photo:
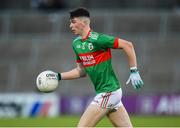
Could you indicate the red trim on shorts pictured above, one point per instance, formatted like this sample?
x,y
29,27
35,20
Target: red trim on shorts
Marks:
x,y
106,96
102,101
107,99
116,43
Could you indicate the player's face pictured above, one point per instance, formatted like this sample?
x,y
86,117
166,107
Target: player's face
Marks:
x,y
77,26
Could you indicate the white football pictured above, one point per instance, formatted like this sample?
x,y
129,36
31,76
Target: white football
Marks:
x,y
47,81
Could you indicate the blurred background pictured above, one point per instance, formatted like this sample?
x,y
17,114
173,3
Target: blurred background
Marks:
x,y
35,36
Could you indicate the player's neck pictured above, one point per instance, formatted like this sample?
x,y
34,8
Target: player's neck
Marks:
x,y
85,33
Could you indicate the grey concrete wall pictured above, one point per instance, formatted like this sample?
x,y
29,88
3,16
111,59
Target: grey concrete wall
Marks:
x,y
32,42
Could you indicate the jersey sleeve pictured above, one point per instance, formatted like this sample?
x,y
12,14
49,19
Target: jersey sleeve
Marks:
x,y
78,60
106,41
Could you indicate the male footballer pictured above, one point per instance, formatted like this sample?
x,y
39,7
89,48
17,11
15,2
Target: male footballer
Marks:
x,y
93,56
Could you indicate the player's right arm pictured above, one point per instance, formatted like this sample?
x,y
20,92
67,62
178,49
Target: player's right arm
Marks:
x,y
75,73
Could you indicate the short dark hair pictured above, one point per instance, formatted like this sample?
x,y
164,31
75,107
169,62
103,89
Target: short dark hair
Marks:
x,y
79,12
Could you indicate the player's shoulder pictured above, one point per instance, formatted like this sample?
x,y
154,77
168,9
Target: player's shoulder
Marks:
x,y
96,35
76,40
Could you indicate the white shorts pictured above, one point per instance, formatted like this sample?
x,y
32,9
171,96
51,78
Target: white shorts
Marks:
x,y
110,100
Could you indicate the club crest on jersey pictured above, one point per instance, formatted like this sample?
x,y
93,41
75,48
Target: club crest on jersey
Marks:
x,y
90,46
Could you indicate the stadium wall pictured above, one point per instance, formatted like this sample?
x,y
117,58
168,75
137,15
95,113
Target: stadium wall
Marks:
x,y
31,42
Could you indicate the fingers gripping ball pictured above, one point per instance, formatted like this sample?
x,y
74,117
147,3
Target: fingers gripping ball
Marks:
x,y
47,81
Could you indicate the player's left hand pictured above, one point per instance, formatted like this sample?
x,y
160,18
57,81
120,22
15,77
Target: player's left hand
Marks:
x,y
135,79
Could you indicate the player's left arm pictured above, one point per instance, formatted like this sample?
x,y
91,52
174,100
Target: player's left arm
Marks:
x,y
128,48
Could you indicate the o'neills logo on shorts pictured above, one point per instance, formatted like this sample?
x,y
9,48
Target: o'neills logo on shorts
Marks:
x,y
93,58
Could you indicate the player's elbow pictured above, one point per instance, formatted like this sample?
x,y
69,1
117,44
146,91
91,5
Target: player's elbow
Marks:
x,y
129,45
82,73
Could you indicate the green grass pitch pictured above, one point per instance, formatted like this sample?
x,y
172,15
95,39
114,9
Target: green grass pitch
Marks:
x,y
71,121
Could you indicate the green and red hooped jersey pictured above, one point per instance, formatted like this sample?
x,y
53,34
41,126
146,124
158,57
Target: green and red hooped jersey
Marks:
x,y
95,55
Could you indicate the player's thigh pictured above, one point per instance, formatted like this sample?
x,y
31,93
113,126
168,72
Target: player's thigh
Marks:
x,y
119,117
92,115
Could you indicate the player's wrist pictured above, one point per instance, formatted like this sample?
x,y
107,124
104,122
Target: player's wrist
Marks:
x,y
133,69
59,76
